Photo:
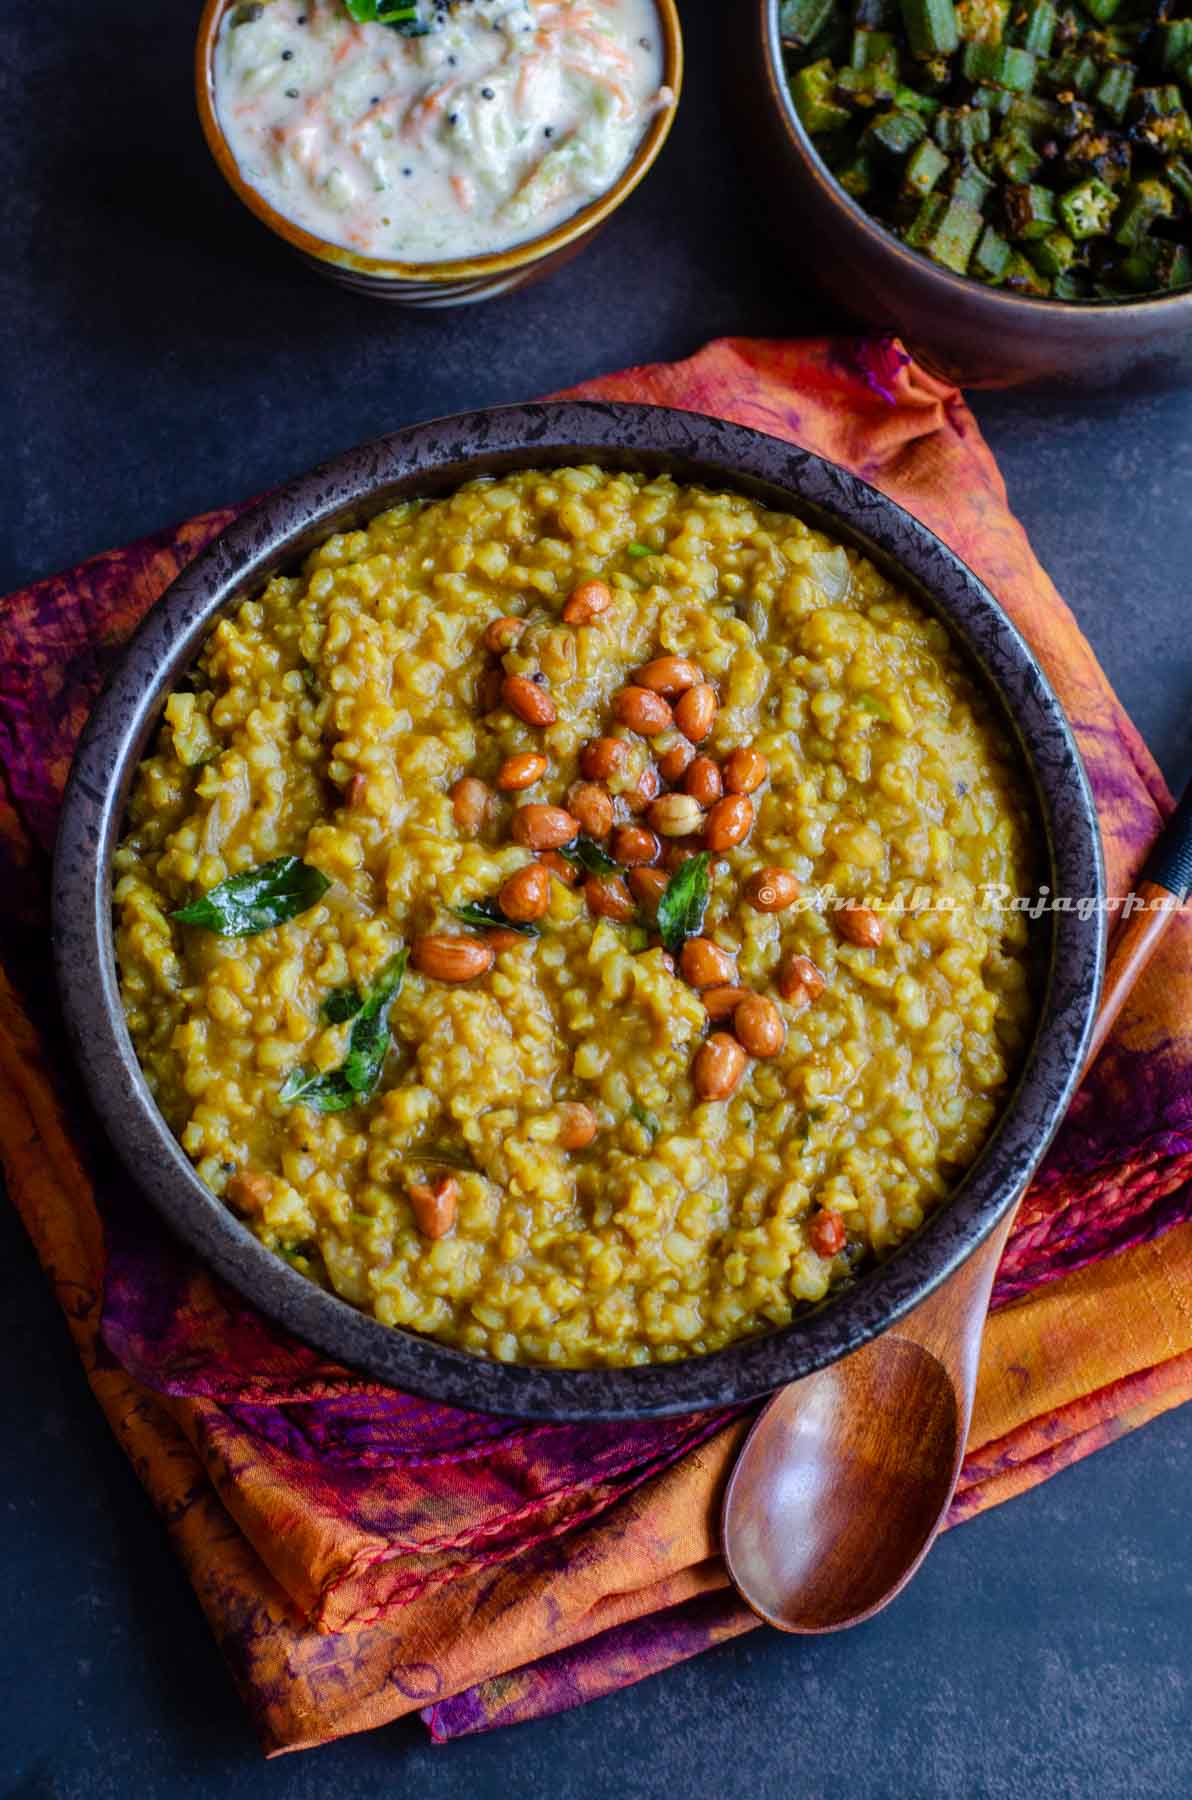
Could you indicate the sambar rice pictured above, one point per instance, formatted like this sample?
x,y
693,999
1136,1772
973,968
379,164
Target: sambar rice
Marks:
x,y
548,700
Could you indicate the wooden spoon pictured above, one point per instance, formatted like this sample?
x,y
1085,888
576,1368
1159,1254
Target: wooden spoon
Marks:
x,y
844,1481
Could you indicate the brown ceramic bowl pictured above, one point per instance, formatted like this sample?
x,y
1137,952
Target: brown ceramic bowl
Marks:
x,y
433,459
973,334
447,283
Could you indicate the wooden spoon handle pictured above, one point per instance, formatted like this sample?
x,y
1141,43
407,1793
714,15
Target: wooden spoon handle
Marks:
x,y
950,1323
1135,942
1165,885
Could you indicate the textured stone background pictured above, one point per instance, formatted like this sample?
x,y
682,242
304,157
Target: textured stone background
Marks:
x,y
159,356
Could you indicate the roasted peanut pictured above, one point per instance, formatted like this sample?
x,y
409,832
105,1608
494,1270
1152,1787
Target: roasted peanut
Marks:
x,y
501,938
799,981
633,845
541,827
455,958
577,1125
558,865
249,1191
857,925
470,801
587,602
526,894
488,689
729,822
827,1233
502,634
758,1025
673,762
592,805
702,781
642,711
648,785
680,850
598,759
608,897
675,815
703,964
669,675
434,1205
695,712
722,1002
648,885
744,770
718,1067
529,700
772,890
521,771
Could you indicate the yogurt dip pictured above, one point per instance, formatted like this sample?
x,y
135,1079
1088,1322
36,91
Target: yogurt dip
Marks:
x,y
497,123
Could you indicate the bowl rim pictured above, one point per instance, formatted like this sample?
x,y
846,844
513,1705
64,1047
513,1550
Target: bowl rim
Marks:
x,y
433,458
492,263
885,241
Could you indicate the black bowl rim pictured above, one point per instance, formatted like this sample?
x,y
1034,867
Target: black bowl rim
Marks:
x,y
895,248
436,457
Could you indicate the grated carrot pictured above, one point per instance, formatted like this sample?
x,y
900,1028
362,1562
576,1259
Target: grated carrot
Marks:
x,y
422,111
351,42
525,80
372,112
604,81
616,57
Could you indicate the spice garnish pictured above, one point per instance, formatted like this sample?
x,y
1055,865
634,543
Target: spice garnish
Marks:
x,y
356,1078
487,914
341,1005
683,903
586,853
405,16
270,894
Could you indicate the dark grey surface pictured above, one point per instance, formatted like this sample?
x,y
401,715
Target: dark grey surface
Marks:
x,y
157,356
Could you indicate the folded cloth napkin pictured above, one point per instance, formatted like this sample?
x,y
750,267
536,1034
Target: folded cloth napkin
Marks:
x,y
360,1553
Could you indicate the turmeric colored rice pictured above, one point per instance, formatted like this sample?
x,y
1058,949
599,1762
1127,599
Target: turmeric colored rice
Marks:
x,y
333,717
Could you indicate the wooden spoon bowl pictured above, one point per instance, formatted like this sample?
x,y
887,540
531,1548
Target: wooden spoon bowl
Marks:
x,y
847,1476
844,1481
857,1504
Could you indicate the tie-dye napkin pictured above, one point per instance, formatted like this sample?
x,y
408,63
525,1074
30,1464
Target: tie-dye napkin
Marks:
x,y
361,1554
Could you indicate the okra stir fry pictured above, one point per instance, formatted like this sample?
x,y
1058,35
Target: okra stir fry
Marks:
x,y
1039,147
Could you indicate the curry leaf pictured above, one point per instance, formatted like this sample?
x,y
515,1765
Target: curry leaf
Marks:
x,y
683,903
356,1079
438,1156
341,1005
405,16
486,914
368,1041
268,895
587,854
327,1093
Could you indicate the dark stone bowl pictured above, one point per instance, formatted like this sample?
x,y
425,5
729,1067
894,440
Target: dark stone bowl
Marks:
x,y
975,335
434,459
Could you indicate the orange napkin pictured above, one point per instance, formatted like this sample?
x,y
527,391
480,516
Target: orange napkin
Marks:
x,y
361,1554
